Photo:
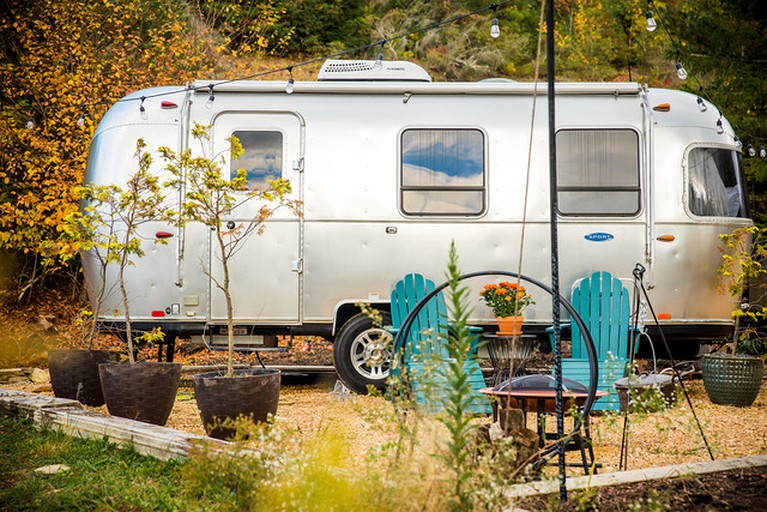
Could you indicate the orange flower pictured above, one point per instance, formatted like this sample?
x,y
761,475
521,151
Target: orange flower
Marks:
x,y
505,298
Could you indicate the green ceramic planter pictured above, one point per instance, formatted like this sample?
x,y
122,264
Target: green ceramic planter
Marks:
x,y
732,379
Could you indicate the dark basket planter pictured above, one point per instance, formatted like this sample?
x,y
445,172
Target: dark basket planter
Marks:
x,y
75,373
732,379
253,393
144,391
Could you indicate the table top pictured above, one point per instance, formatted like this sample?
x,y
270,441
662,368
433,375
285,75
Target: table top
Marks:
x,y
525,337
539,394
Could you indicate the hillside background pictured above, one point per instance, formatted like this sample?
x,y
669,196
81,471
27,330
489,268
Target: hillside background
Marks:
x,y
65,61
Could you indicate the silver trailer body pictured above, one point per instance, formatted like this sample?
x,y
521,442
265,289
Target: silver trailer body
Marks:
x,y
391,171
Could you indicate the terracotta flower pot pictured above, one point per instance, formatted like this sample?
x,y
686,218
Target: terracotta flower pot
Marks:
x,y
510,325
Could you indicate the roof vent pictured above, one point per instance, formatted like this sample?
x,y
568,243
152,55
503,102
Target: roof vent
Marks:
x,y
366,70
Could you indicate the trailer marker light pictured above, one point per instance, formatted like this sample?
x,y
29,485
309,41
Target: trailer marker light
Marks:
x,y
666,238
163,234
662,107
168,104
664,316
158,313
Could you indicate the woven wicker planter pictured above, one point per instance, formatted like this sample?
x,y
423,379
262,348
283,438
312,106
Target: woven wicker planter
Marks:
x,y
252,393
75,373
732,379
142,391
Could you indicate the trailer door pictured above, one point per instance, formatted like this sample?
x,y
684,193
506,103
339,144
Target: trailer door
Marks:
x,y
266,270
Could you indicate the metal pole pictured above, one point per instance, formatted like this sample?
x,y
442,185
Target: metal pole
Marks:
x,y
555,310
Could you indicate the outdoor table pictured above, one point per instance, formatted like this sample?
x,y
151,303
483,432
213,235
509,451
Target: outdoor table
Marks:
x,y
541,402
505,350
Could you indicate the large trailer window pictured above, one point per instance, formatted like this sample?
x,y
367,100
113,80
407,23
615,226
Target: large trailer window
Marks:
x,y
262,159
598,172
715,183
443,172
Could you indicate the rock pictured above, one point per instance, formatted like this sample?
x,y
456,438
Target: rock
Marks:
x,y
39,376
341,391
52,469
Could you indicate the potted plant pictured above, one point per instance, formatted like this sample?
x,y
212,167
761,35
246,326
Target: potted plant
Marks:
x,y
144,391
213,199
74,372
734,375
508,301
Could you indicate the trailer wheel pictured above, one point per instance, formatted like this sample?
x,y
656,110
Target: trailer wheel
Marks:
x,y
362,353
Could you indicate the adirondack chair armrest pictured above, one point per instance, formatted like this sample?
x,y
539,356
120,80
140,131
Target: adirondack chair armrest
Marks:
x,y
564,327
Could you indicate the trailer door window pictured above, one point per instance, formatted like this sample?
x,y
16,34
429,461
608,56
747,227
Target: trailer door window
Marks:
x,y
443,172
262,159
598,172
715,183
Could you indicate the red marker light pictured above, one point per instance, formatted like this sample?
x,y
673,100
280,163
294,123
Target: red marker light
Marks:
x,y
168,105
158,313
163,234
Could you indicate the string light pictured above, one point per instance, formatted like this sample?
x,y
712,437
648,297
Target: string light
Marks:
x,y
379,59
211,97
719,125
83,114
142,109
701,104
495,29
290,85
31,120
680,71
762,152
651,23
750,150
308,62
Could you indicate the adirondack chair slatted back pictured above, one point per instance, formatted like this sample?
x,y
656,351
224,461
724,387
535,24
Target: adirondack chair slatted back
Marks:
x,y
404,297
426,355
603,303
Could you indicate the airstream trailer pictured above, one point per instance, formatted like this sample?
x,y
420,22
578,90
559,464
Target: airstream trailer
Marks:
x,y
391,167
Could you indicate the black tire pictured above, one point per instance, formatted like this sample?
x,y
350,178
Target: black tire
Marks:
x,y
362,353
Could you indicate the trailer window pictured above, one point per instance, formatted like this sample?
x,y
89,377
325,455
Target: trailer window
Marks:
x,y
262,159
443,172
598,172
715,183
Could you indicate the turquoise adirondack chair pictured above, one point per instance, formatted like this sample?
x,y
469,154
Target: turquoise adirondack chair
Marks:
x,y
426,359
603,303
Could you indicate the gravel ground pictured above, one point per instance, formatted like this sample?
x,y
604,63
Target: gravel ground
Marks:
x,y
657,439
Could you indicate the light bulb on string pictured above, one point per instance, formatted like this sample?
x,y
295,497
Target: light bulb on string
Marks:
x,y
680,71
750,150
289,87
701,104
495,30
378,64
651,23
142,109
211,97
719,126
30,121
81,119
762,152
